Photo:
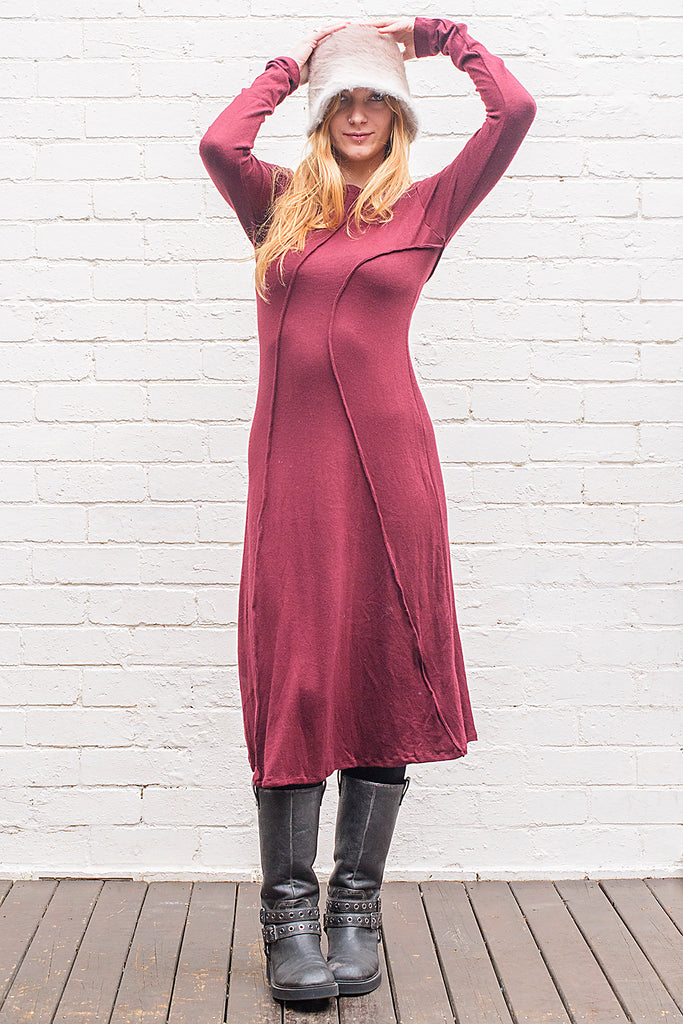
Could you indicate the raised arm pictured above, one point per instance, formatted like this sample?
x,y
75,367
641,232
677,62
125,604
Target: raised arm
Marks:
x,y
450,196
226,149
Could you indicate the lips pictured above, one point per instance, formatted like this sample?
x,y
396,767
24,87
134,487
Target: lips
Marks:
x,y
357,136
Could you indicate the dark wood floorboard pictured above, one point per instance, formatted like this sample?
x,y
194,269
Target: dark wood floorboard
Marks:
x,y
526,983
147,980
473,987
94,980
669,892
201,980
653,930
37,988
420,995
624,964
22,909
583,988
90,951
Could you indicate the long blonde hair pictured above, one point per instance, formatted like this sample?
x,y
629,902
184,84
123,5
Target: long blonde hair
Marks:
x,y
314,197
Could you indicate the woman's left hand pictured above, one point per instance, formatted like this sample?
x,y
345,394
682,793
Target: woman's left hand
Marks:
x,y
400,30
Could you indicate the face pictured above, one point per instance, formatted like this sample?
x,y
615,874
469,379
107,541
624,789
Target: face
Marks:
x,y
361,127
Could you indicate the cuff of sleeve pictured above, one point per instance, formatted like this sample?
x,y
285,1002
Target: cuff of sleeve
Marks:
x,y
425,37
291,69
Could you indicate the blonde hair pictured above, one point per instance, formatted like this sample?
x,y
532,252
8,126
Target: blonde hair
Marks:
x,y
314,197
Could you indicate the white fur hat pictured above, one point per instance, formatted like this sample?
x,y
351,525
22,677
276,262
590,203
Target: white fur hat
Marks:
x,y
357,57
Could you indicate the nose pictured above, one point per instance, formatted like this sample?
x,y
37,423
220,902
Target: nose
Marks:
x,y
357,113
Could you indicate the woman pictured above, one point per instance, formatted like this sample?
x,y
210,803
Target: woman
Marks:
x,y
349,653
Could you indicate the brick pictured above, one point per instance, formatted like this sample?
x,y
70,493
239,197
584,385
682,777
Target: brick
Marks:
x,y
41,523
633,483
229,442
217,605
35,767
12,728
72,161
583,442
81,727
196,483
44,807
132,280
27,685
141,606
38,442
86,564
84,482
632,402
659,522
524,402
133,766
659,767
42,605
73,646
90,240
131,524
86,78
444,360
83,402
18,483
166,806
91,321
200,321
182,646
578,361
232,361
202,401
187,563
151,442
223,522
37,361
142,200
145,362
481,442
15,564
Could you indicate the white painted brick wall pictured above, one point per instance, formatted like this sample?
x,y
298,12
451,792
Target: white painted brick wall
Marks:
x,y
548,346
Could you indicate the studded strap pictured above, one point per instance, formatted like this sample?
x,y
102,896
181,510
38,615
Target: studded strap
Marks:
x,y
282,924
349,913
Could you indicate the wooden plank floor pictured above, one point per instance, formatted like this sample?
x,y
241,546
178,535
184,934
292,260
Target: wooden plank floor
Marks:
x,y
90,951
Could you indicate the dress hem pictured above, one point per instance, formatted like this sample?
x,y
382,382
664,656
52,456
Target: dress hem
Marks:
x,y
395,762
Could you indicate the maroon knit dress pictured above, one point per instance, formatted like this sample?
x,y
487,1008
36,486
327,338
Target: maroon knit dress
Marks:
x,y
348,644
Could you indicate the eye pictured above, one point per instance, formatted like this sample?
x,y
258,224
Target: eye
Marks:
x,y
377,97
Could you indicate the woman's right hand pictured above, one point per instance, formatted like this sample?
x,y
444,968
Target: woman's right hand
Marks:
x,y
303,50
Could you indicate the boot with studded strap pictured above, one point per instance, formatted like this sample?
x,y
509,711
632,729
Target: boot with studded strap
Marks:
x,y
288,836
366,817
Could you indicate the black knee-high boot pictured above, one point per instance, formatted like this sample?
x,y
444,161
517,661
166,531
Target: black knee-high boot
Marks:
x,y
288,835
366,818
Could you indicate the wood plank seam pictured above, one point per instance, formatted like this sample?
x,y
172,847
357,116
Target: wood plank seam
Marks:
x,y
385,961
640,946
666,909
548,967
30,940
585,938
180,946
232,946
437,951
503,991
130,946
78,944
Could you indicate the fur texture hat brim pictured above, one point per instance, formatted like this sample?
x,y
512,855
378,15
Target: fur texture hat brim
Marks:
x,y
358,57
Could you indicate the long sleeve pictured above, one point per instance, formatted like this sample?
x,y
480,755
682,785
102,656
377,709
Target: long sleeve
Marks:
x,y
450,196
226,148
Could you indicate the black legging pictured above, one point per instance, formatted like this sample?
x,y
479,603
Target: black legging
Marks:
x,y
394,776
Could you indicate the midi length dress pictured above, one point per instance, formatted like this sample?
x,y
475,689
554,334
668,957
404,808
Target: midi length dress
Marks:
x,y
348,645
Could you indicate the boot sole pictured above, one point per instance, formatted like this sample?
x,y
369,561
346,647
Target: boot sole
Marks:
x,y
326,990
360,988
